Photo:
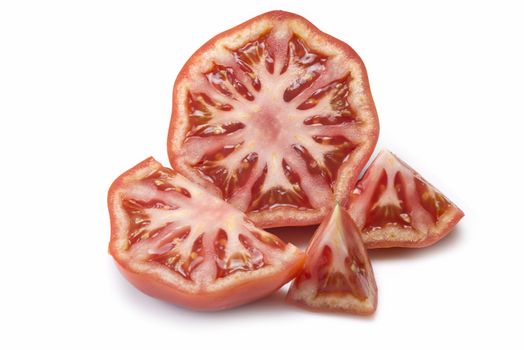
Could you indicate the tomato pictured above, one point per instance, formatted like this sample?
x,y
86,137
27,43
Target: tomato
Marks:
x,y
337,275
276,117
173,240
395,207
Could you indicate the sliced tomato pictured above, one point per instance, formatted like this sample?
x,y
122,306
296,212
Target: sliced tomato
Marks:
x,y
174,241
394,206
337,275
276,117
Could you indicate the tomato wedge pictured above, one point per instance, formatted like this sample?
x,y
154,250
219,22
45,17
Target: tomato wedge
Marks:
x,y
276,117
394,206
337,275
173,240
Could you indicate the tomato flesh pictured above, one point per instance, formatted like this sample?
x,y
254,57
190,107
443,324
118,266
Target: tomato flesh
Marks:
x,y
337,274
175,241
275,117
394,206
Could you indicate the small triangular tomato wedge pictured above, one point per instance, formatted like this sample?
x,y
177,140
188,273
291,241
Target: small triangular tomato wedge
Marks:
x,y
337,274
174,241
394,206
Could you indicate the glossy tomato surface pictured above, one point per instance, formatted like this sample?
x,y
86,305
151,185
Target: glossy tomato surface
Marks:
x,y
394,206
276,117
173,240
337,274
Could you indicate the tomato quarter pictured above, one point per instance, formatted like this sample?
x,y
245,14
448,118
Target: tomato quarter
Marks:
x,y
395,207
337,275
275,117
175,241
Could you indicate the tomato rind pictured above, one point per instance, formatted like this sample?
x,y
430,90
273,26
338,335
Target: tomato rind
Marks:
x,y
394,237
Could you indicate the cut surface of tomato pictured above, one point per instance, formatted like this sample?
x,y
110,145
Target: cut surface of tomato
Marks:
x,y
337,274
394,206
276,117
174,241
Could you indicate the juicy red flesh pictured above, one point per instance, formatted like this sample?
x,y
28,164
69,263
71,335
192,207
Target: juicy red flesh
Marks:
x,y
435,206
336,282
278,196
389,214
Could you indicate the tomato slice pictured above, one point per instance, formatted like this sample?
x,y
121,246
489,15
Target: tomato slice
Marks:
x,y
275,117
394,206
337,275
174,241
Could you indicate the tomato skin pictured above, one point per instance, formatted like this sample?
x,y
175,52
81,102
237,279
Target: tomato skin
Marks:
x,y
224,299
245,289
348,172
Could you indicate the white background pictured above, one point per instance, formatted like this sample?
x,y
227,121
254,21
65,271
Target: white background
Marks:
x,y
85,93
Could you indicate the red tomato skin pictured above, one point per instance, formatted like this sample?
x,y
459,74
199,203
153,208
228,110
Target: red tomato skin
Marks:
x,y
246,292
280,217
225,299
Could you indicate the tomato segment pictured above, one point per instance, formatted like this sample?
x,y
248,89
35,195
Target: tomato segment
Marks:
x,y
395,207
337,274
275,117
175,241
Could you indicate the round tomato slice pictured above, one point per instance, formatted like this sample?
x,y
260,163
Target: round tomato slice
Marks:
x,y
394,206
276,117
173,240
337,275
